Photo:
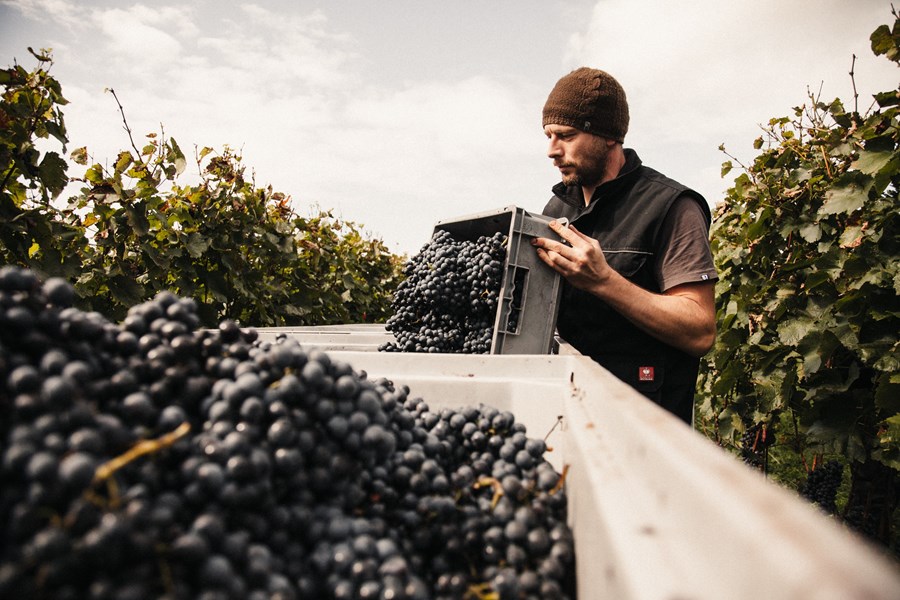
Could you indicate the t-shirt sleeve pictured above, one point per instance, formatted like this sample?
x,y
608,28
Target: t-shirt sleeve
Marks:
x,y
684,254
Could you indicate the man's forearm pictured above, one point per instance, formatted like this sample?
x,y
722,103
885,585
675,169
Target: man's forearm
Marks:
x,y
683,317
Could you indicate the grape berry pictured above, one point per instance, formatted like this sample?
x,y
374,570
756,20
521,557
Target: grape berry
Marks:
x,y
153,459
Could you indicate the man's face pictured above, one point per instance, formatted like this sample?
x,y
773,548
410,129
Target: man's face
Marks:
x,y
580,157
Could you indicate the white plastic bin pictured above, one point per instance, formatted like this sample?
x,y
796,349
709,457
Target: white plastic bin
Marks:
x,y
360,337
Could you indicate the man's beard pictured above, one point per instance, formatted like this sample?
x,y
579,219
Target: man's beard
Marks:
x,y
592,168
573,178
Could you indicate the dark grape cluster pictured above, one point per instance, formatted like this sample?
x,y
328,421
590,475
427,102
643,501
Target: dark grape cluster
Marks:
x,y
755,443
822,484
448,300
153,459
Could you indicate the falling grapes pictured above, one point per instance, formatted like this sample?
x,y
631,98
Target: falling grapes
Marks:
x,y
448,300
153,459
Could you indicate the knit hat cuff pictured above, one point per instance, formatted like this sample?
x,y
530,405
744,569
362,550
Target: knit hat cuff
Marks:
x,y
584,125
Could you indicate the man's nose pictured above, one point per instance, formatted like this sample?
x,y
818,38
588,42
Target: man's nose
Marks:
x,y
553,149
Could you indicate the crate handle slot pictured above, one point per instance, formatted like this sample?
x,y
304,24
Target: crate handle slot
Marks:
x,y
517,299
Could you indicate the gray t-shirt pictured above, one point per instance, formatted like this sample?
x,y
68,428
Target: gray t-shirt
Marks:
x,y
684,254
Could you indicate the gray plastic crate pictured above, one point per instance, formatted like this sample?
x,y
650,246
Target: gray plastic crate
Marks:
x,y
530,290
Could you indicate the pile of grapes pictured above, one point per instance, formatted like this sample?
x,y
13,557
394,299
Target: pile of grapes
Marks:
x,y
448,300
153,459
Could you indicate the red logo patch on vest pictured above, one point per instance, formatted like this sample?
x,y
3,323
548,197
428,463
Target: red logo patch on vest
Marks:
x,y
645,374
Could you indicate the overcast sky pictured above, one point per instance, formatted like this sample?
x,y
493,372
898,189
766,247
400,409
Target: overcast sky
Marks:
x,y
399,113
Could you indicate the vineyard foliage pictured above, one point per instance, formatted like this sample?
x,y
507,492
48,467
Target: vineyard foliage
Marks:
x,y
34,233
806,243
239,250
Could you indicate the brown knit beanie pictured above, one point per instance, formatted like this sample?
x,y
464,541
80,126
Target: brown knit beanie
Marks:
x,y
590,100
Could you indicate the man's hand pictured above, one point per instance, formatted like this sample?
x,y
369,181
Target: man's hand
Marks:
x,y
581,262
683,316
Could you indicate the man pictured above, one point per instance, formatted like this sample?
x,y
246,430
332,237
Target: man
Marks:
x,y
639,275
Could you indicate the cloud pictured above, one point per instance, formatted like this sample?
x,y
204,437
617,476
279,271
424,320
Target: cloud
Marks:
x,y
136,36
61,11
752,58
139,35
283,52
702,73
225,78
460,120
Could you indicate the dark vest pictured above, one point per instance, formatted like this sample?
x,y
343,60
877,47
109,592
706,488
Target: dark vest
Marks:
x,y
625,216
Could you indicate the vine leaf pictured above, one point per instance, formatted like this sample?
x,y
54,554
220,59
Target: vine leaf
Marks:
x,y
792,332
884,41
843,200
53,173
872,163
811,232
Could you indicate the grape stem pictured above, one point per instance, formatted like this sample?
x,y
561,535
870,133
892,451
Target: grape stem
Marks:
x,y
559,420
562,480
495,484
141,448
482,591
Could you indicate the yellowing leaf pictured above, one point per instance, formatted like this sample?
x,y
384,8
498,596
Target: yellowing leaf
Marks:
x,y
853,236
124,160
80,155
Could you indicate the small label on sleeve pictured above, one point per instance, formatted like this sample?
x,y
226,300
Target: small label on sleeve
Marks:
x,y
645,374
